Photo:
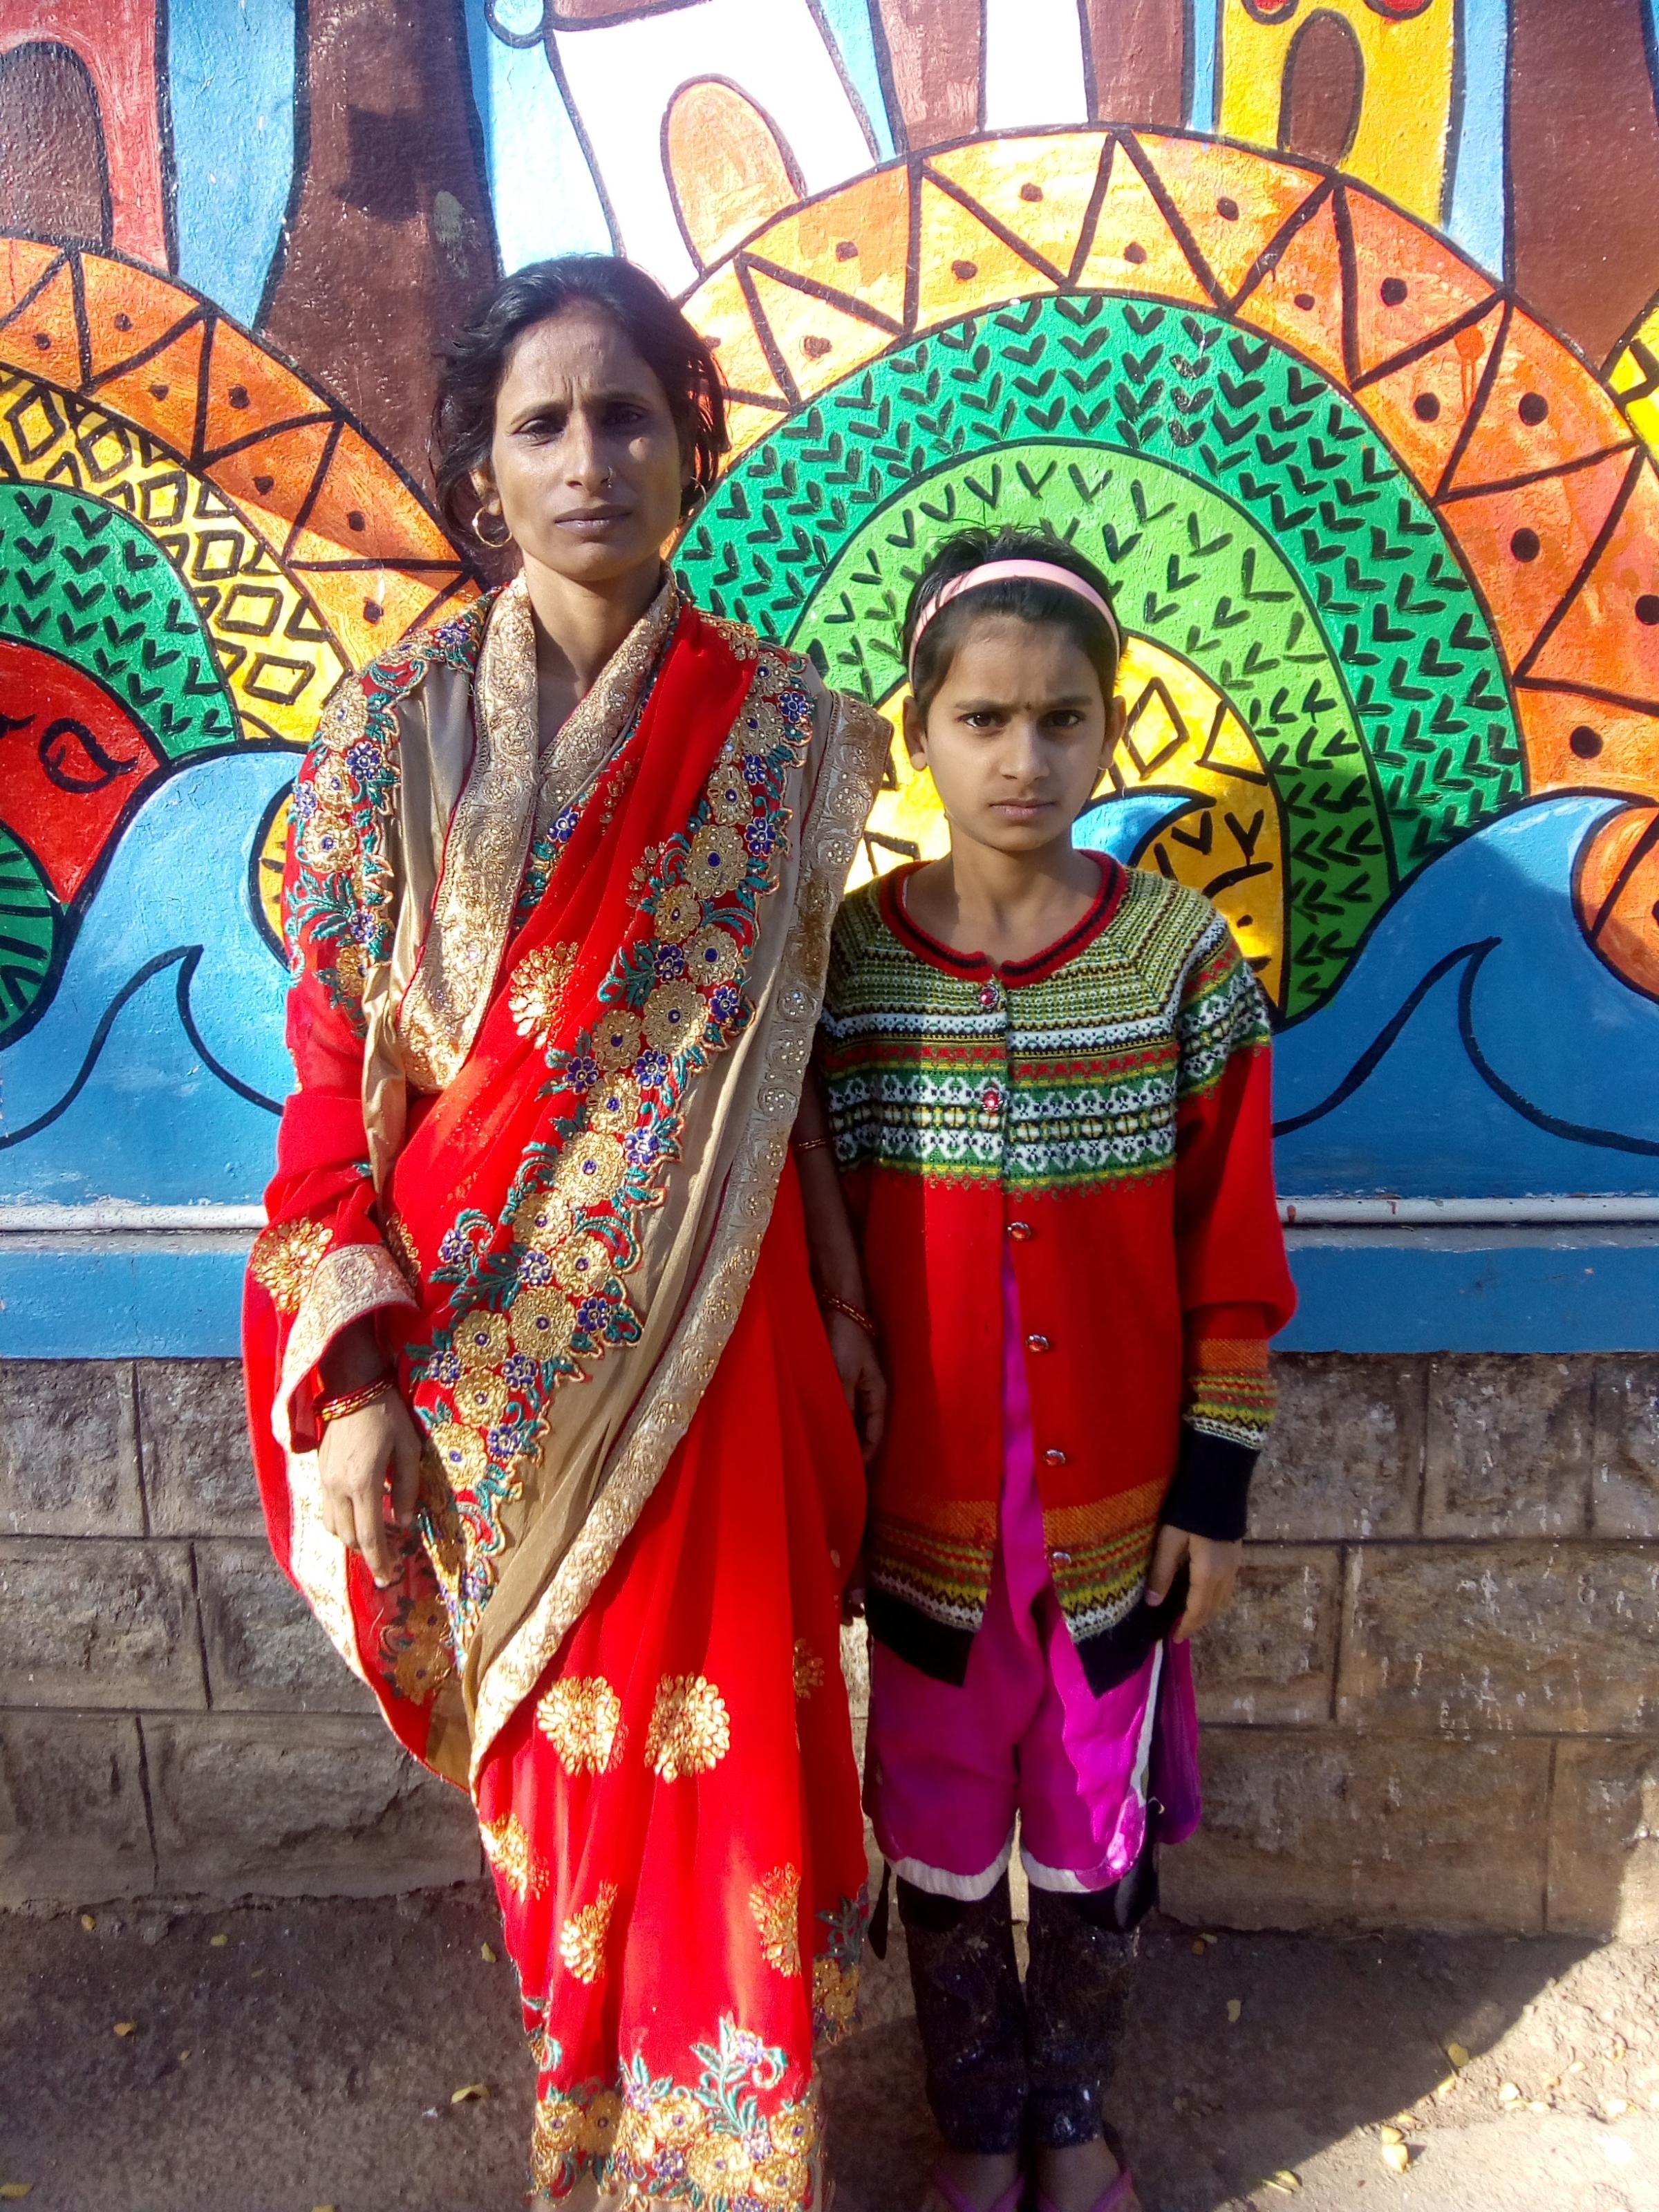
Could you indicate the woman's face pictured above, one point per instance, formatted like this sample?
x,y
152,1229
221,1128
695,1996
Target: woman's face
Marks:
x,y
585,465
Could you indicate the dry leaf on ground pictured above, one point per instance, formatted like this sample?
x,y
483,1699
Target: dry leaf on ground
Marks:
x,y
467,2092
1390,2134
1395,2157
13,2190
126,2027
1457,2054
487,1954
217,1942
1507,2093
1284,2181
1235,2007
88,1923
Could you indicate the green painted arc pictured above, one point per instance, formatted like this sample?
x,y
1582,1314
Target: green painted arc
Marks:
x,y
1400,616
1281,682
80,579
29,919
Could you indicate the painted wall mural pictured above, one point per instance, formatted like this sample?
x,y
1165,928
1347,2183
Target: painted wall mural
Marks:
x,y
1329,328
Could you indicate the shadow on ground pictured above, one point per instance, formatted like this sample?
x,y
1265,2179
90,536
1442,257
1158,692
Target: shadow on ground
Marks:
x,y
310,2060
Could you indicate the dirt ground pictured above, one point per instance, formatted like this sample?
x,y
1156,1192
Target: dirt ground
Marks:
x,y
289,2056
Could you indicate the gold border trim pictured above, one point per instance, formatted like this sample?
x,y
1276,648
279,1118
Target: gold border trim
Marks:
x,y
483,854
854,752
350,1281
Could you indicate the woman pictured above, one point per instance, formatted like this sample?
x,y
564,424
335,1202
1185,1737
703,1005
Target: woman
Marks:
x,y
550,1430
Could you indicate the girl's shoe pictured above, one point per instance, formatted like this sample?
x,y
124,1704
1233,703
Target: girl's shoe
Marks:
x,y
1119,2195
1010,2201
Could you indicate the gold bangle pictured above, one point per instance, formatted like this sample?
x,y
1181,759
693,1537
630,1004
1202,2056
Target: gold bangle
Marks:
x,y
352,1401
810,1144
859,1319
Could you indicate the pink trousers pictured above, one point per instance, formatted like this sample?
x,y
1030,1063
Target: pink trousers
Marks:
x,y
950,1768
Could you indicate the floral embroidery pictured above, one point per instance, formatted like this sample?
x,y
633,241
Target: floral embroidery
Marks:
x,y
809,1669
582,1718
834,1999
690,1729
507,1847
583,1937
551,1272
536,993
776,1903
835,1969
340,880
416,1649
660,2141
399,1241
285,1258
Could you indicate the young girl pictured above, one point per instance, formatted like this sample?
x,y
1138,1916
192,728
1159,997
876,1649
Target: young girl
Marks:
x,y
1048,1084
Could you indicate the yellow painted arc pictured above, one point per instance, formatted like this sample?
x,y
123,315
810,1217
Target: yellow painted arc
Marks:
x,y
268,874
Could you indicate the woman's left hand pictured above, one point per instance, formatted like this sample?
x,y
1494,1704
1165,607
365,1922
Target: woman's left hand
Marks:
x,y
861,1378
1213,1569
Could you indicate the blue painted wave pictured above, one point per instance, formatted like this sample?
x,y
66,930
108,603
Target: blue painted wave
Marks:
x,y
1478,1047
155,1073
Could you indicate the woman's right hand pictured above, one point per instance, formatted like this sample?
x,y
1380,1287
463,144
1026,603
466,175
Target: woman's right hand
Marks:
x,y
357,1455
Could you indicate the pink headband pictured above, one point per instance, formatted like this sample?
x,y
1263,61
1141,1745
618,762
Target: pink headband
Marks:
x,y
997,572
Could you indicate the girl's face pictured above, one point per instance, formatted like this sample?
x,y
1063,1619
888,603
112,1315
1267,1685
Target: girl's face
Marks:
x,y
585,465
1017,735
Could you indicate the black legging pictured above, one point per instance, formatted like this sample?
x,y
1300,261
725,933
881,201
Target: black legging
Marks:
x,y
1008,2067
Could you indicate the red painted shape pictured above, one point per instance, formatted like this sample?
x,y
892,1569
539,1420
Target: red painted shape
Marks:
x,y
71,761
116,40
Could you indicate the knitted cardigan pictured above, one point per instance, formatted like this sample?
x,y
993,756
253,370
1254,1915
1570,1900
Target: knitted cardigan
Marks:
x,y
1100,1116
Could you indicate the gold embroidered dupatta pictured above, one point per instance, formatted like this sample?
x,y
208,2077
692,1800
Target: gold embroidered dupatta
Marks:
x,y
588,989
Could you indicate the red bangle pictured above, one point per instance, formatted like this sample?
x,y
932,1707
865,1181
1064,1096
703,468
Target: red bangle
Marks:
x,y
859,1319
352,1401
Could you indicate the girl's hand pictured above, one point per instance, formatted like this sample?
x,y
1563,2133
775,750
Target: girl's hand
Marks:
x,y
861,1378
1213,1569
357,1455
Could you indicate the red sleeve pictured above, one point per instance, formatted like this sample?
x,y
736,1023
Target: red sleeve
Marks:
x,y
322,1262
1236,1286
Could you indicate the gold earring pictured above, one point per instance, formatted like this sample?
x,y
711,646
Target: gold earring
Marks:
x,y
487,514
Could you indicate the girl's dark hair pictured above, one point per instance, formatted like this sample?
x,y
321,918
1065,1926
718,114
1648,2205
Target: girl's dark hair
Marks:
x,y
475,361
1025,596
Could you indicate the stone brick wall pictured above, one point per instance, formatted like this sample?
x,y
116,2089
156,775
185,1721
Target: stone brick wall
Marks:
x,y
173,1721
1436,1702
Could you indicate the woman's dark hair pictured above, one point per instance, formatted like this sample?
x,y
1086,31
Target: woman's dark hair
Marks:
x,y
1032,600
475,362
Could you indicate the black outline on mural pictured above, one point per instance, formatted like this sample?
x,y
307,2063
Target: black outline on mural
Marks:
x,y
1472,958
549,47
190,958
166,155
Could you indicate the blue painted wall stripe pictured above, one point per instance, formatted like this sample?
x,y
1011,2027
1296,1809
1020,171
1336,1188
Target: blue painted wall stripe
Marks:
x,y
848,22
230,69
1477,215
1204,41
156,1298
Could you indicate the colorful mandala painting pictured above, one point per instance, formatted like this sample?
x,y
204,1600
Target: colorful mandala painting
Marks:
x,y
1279,309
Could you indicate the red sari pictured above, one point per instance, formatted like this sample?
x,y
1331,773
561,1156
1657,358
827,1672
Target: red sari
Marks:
x,y
549,1023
